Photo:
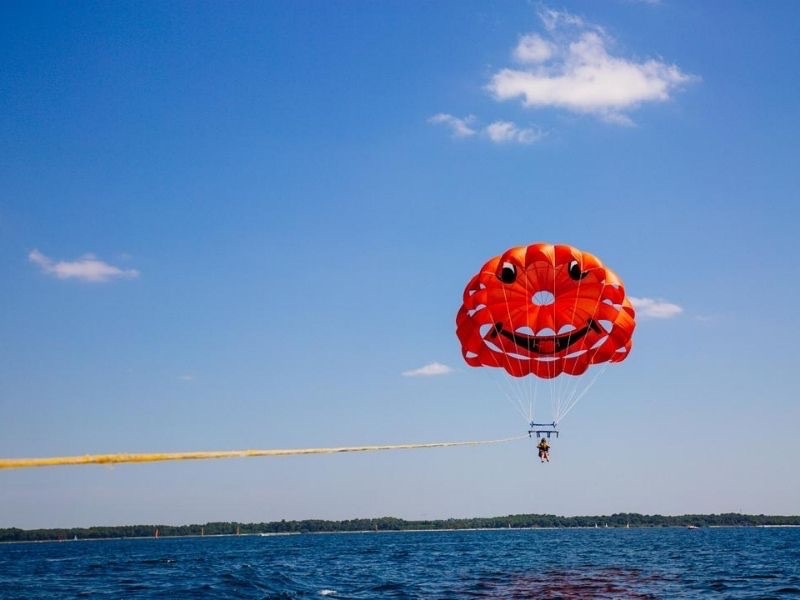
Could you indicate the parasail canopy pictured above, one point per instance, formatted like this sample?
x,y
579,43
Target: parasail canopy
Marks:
x,y
543,310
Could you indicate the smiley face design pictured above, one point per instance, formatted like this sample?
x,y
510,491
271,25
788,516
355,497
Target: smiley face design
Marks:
x,y
544,309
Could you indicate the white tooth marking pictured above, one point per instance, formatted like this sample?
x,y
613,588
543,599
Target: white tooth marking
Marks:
x,y
491,346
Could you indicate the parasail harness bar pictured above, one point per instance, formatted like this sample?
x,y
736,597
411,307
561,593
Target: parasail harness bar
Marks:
x,y
534,428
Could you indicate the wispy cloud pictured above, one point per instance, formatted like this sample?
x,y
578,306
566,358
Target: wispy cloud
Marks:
x,y
656,309
554,20
86,268
459,128
573,69
186,377
429,370
499,132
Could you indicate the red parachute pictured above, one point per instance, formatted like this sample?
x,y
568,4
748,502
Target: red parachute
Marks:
x,y
545,309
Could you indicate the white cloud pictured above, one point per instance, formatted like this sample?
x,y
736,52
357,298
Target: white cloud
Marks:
x,y
460,128
532,48
561,19
501,132
656,309
580,75
428,370
186,377
86,268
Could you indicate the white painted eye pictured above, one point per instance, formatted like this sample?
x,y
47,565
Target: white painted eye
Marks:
x,y
508,273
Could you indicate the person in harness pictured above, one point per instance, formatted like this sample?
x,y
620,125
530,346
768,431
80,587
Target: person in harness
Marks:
x,y
544,450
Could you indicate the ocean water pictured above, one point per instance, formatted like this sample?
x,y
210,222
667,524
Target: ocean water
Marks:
x,y
555,563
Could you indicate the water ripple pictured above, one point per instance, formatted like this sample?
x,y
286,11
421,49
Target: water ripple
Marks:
x,y
620,564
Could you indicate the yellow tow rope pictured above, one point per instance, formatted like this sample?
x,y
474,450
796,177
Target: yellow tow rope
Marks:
x,y
112,459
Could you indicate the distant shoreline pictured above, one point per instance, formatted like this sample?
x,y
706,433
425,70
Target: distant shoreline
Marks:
x,y
372,531
392,524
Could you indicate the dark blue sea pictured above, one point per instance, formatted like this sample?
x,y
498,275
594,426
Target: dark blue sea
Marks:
x,y
557,563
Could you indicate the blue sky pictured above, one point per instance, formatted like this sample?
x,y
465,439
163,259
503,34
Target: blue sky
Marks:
x,y
237,226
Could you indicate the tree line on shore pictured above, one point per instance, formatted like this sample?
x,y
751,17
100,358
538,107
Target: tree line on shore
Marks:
x,y
393,524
